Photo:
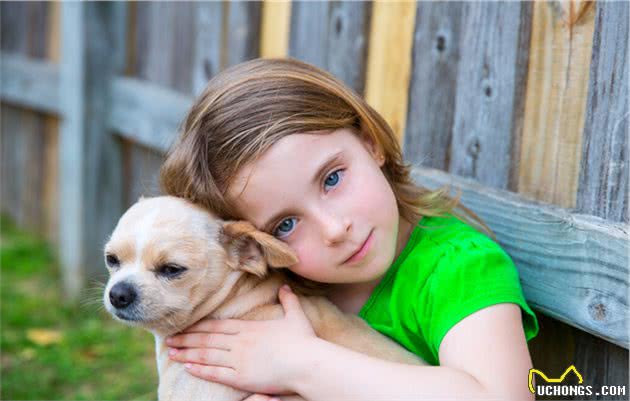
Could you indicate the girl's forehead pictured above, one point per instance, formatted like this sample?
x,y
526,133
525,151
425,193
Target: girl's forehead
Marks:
x,y
290,161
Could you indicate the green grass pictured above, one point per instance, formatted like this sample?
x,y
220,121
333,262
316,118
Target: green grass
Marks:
x,y
94,357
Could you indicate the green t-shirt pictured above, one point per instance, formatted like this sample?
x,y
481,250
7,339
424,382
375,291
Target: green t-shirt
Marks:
x,y
448,270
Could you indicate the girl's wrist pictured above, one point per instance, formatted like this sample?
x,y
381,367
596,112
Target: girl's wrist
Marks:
x,y
308,366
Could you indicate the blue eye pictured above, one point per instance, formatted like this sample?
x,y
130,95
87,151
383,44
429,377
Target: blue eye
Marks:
x,y
284,228
333,178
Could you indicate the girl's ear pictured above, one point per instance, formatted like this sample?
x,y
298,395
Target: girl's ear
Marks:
x,y
251,250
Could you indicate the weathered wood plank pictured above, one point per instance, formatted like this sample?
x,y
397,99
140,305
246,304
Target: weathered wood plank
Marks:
x,y
488,84
309,32
143,168
23,36
433,87
13,27
389,61
29,83
165,44
50,195
91,164
146,113
72,225
208,44
573,267
333,36
22,176
555,104
348,30
242,41
603,180
274,30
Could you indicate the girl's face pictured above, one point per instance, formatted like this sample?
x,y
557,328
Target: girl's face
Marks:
x,y
326,196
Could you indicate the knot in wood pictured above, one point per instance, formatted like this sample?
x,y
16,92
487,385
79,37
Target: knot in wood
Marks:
x,y
597,310
474,147
441,43
338,25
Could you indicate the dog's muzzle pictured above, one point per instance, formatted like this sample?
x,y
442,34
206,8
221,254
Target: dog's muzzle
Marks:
x,y
122,295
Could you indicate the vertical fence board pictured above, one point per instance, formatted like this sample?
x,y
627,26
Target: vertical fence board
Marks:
x,y
50,162
555,105
389,61
243,32
71,150
333,36
23,137
208,43
348,30
165,45
154,21
433,83
487,83
90,171
274,31
14,33
142,170
603,179
309,32
603,182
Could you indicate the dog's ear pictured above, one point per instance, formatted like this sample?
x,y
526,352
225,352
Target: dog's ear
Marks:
x,y
252,250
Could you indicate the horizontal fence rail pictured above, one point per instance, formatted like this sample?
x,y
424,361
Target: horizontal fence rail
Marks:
x,y
30,83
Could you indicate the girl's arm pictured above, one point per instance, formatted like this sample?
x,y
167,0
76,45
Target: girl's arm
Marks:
x,y
484,356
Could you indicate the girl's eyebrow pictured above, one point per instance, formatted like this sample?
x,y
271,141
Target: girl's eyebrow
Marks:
x,y
328,162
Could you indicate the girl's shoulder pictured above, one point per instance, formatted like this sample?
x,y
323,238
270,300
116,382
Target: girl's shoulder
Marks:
x,y
440,235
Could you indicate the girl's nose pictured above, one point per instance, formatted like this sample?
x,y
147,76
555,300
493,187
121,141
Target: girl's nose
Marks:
x,y
335,229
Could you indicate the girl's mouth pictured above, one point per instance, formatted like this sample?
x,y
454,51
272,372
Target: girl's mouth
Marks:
x,y
361,252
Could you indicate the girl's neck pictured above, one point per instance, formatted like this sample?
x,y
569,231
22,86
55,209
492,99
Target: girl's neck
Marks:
x,y
350,297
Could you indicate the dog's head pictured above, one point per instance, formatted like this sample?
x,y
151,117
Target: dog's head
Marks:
x,y
166,257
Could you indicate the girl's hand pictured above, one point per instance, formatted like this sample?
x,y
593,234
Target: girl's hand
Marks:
x,y
257,356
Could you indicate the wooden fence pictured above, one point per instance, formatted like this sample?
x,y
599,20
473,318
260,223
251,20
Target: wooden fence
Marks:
x,y
523,106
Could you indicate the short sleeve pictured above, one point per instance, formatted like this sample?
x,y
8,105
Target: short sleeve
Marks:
x,y
470,275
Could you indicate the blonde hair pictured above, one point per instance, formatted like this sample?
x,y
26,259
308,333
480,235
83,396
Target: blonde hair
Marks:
x,y
248,107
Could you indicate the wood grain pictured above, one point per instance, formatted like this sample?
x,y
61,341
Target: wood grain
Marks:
x,y
555,105
389,61
274,31
603,182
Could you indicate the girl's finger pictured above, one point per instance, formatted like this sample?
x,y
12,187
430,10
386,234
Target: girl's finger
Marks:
x,y
202,356
225,326
201,340
290,303
218,374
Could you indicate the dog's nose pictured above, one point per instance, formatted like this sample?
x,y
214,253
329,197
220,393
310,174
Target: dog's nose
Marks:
x,y
122,294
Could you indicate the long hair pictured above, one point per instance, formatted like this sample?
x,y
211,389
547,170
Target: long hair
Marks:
x,y
248,107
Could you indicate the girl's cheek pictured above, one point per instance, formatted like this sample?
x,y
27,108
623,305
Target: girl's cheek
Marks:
x,y
305,256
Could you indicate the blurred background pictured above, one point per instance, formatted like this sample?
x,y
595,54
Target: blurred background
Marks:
x,y
528,101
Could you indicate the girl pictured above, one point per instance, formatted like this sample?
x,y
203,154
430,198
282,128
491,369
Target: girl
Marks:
x,y
290,148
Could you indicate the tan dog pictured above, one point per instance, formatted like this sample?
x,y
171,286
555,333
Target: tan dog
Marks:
x,y
172,264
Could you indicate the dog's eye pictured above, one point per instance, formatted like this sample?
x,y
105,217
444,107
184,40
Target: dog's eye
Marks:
x,y
112,260
170,270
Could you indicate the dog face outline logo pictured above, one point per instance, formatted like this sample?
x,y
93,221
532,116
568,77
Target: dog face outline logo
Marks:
x,y
548,380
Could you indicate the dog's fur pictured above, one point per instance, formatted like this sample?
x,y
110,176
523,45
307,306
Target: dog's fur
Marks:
x,y
226,276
